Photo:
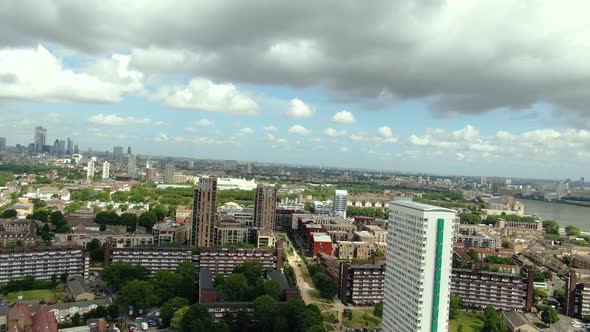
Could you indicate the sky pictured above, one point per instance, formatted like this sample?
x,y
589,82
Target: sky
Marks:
x,y
488,87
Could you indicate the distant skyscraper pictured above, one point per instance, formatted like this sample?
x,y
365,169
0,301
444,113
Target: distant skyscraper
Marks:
x,y
76,150
340,203
70,146
106,167
508,182
131,161
169,173
150,174
55,149
249,168
265,207
204,206
118,153
483,181
2,144
40,139
90,170
191,164
62,147
418,267
128,150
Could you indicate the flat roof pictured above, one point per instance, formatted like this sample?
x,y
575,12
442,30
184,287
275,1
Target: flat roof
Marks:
x,y
321,237
421,206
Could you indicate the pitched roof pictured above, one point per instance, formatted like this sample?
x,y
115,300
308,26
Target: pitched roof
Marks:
x,y
44,321
20,311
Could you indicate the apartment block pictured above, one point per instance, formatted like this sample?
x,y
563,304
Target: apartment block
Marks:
x,y
17,232
43,262
203,218
361,284
153,258
265,206
224,260
577,295
504,291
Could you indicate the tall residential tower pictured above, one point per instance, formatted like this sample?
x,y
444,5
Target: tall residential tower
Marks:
x,y
265,207
204,206
418,267
340,202
40,139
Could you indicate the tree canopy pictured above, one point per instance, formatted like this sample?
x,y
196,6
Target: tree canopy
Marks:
x,y
119,274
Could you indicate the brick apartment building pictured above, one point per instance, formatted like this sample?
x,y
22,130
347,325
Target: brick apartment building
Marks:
x,y
224,260
153,258
43,262
361,284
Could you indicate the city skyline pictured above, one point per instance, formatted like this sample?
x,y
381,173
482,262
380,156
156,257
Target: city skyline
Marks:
x,y
410,98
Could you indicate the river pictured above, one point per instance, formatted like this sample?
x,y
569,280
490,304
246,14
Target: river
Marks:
x,y
564,214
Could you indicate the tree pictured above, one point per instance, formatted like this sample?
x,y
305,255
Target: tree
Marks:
x,y
129,220
378,310
196,319
119,274
107,218
252,270
266,309
160,210
548,275
96,250
572,230
113,310
473,255
57,218
273,289
455,305
170,307
470,218
551,227
139,294
234,288
176,321
40,215
10,213
493,322
540,294
559,295
186,288
549,315
166,284
148,220
460,328
63,277
538,276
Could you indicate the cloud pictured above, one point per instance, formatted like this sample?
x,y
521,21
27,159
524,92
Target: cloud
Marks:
x,y
204,95
344,117
162,138
299,130
245,131
334,133
36,74
270,128
541,145
272,138
205,123
385,134
117,120
298,110
359,136
343,149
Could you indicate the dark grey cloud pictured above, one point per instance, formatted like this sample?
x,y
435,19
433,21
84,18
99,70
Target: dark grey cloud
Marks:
x,y
460,57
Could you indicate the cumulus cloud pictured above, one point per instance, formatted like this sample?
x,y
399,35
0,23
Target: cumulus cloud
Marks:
x,y
245,131
385,134
205,123
298,110
273,138
270,128
36,74
162,138
344,117
334,133
343,149
204,95
299,130
542,145
117,120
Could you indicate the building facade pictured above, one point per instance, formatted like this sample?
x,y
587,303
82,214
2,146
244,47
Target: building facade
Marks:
x,y
153,258
419,260
265,207
361,284
106,168
204,207
169,173
224,260
340,203
43,262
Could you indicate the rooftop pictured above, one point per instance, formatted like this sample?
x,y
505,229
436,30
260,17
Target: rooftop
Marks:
x,y
321,237
420,206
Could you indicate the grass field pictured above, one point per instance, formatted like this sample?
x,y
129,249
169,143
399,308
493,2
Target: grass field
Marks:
x,y
32,295
358,319
471,322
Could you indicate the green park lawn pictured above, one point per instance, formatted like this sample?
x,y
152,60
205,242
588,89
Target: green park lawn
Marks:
x,y
358,319
471,322
32,295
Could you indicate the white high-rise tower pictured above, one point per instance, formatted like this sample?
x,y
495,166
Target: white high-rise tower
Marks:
x,y
418,269
90,170
340,202
105,169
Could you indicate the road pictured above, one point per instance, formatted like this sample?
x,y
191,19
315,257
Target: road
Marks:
x,y
295,261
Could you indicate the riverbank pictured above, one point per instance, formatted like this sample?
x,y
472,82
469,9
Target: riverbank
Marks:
x,y
565,214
